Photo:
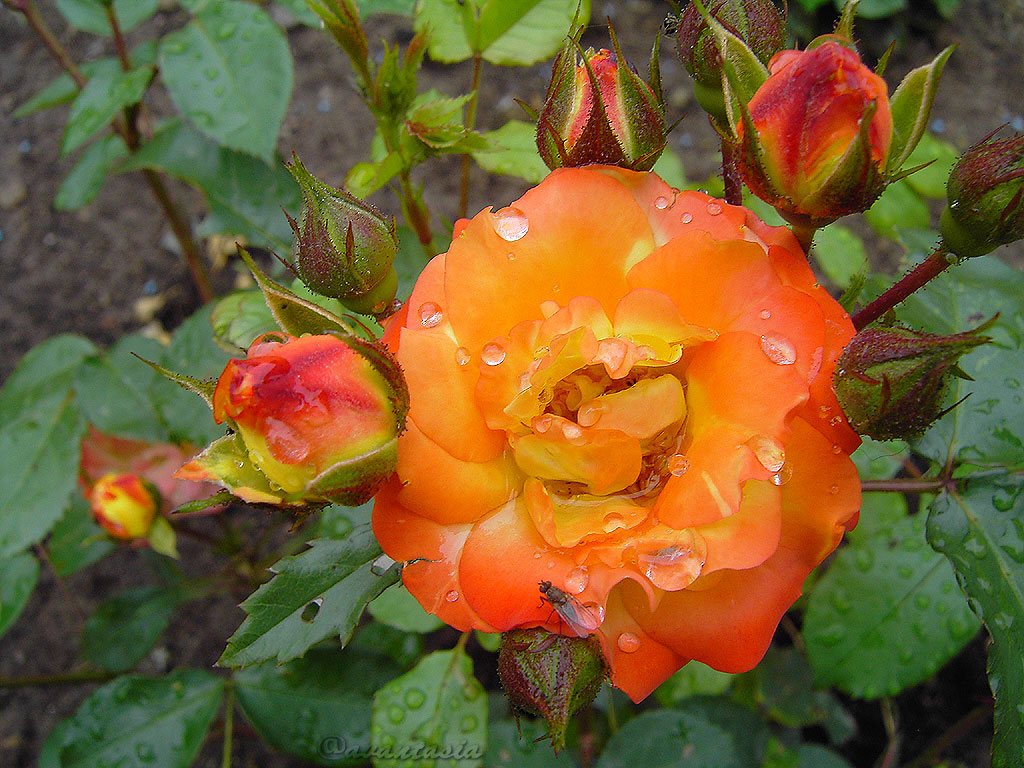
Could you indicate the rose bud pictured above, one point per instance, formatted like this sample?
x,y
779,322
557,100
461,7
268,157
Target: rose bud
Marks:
x,y
985,194
597,111
344,247
550,675
758,23
319,417
815,137
124,505
892,382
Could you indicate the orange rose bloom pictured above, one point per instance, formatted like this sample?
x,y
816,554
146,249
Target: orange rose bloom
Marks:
x,y
625,391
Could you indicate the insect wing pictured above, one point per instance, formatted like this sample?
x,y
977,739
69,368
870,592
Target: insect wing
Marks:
x,y
581,619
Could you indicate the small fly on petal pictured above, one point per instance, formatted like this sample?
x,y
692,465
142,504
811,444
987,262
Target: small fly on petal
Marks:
x,y
581,619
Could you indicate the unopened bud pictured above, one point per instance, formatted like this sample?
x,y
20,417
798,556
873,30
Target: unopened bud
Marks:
x,y
344,247
758,23
124,505
985,195
892,382
599,110
550,675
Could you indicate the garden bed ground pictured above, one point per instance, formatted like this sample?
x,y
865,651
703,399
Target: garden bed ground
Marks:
x,y
87,271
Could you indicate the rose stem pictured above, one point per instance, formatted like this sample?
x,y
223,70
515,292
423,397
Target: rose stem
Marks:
x,y
904,485
467,159
229,722
731,174
917,277
804,236
129,134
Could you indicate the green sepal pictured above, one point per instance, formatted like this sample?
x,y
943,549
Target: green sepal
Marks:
x,y
162,538
218,499
911,104
354,481
204,389
844,27
341,18
295,315
226,462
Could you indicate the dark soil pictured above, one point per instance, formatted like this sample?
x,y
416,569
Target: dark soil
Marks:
x,y
85,271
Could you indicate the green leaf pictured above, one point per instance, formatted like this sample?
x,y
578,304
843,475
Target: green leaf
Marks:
x,y
337,522
986,428
785,689
373,637
45,373
138,722
76,541
436,710
670,168
399,609
18,577
85,180
887,614
898,207
706,733
115,391
99,102
522,744
981,530
695,679
876,9
302,12
839,253
89,15
507,32
399,7
911,105
328,695
123,628
240,318
930,181
245,195
230,72
512,151
366,178
877,460
316,594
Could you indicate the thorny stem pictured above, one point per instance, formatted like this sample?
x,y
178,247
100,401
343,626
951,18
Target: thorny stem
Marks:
x,y
58,678
934,265
901,485
229,722
129,134
417,216
731,174
467,160
115,28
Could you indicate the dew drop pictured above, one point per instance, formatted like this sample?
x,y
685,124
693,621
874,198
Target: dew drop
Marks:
x,y
430,314
835,421
511,224
451,596
414,698
833,489
678,464
778,349
613,523
768,452
765,314
661,203
462,356
783,476
686,218
381,564
511,256
864,559
671,568
492,353
836,449
396,714
577,579
468,724
628,642
714,209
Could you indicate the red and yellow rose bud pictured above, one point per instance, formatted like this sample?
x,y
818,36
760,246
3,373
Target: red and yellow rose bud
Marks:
x,y
757,23
599,110
816,135
344,247
550,675
124,505
892,382
985,193
316,419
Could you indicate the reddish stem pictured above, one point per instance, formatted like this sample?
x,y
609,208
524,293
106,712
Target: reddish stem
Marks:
x,y
904,485
731,174
934,265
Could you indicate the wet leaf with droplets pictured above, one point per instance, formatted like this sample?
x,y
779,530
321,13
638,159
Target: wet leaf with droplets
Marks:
x,y
522,744
327,695
124,628
140,722
981,530
436,713
336,572
868,629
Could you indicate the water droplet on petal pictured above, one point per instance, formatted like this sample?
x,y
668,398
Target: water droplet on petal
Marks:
x,y
671,568
714,209
511,224
834,490
492,353
686,218
462,356
451,596
577,579
661,202
765,314
836,449
511,256
768,452
613,522
678,464
778,349
628,642
784,475
430,315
